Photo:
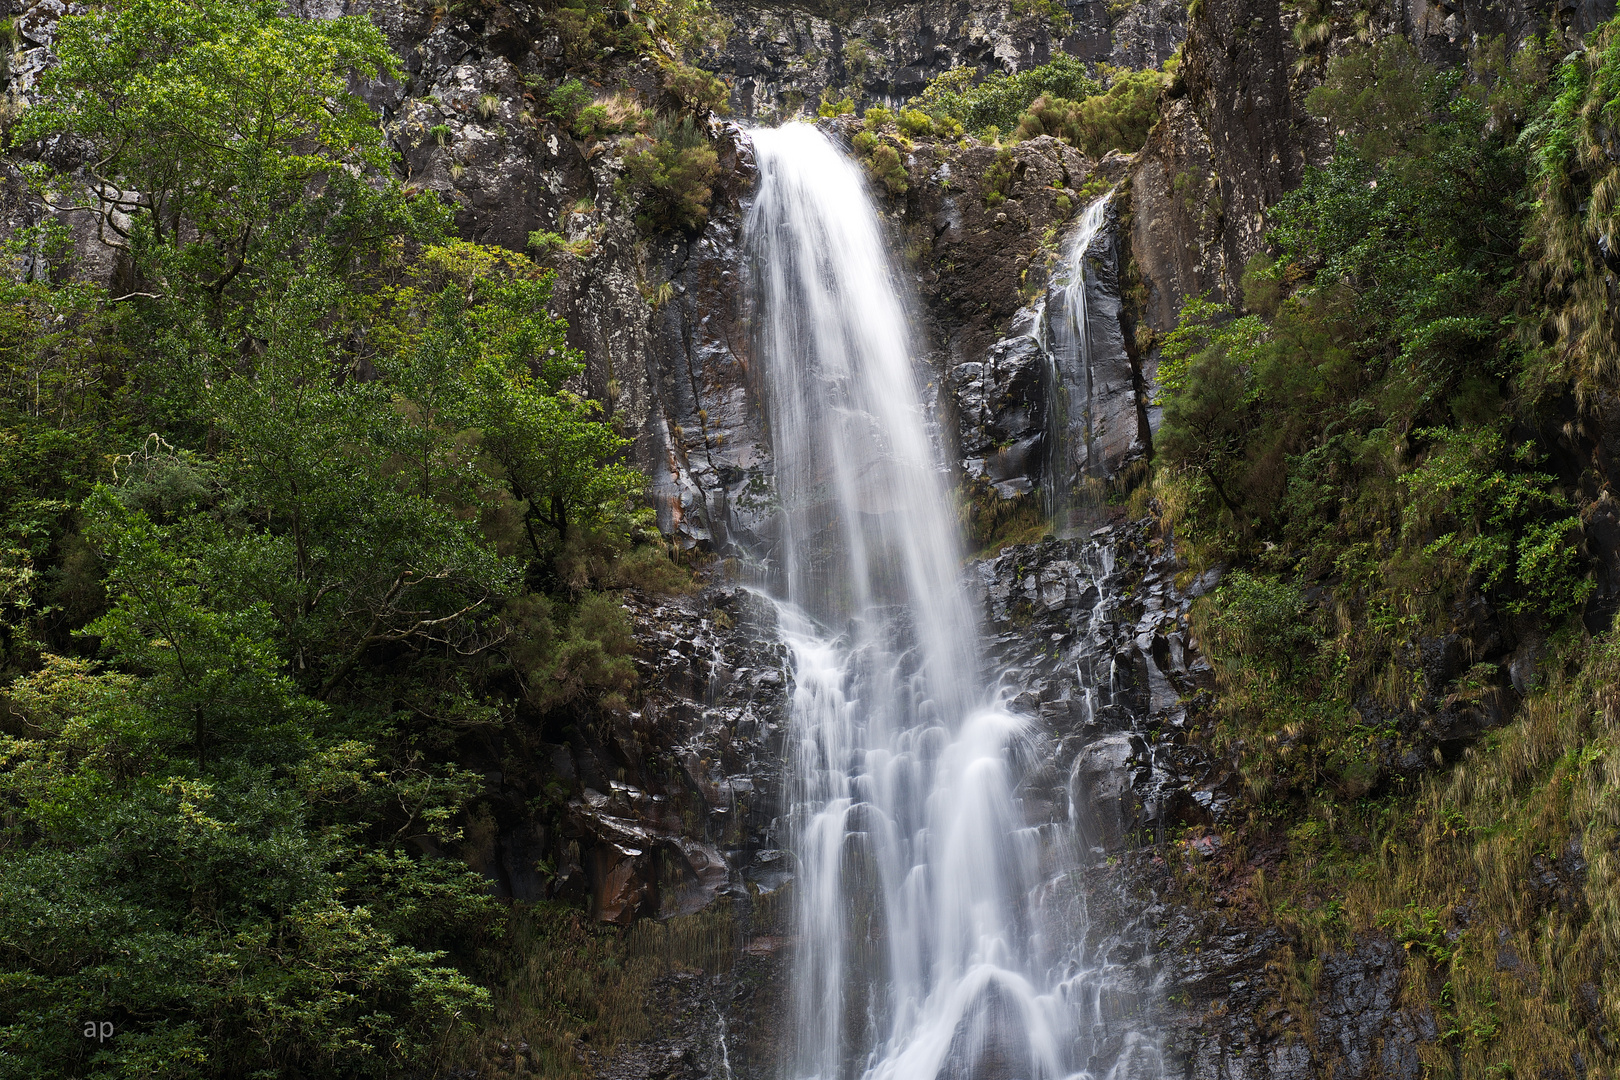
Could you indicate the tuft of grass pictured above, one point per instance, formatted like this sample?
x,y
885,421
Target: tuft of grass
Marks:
x,y
993,523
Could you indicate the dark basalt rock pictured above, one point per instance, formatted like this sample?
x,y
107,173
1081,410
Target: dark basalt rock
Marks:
x,y
1091,637
1037,414
658,810
1002,415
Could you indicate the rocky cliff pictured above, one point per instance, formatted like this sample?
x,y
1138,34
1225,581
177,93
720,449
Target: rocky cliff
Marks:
x,y
673,808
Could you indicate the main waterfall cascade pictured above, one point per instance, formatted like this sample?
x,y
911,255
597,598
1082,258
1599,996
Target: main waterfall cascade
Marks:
x,y
940,933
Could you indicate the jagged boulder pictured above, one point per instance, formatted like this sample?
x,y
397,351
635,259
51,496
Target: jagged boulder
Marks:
x,y
1002,415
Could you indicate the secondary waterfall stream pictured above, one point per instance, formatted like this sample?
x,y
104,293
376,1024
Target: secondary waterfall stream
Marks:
x,y
1066,339
939,932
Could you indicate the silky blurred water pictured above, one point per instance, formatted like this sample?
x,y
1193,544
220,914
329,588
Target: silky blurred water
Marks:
x,y
939,932
1068,347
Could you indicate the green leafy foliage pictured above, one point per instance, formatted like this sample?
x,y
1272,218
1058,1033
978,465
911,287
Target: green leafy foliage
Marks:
x,y
882,159
1382,98
1116,120
915,122
1277,679
166,91
697,89
1398,274
1054,116
226,920
671,171
876,118
280,528
831,107
1572,234
998,179
567,100
1512,527
1379,446
999,100
592,33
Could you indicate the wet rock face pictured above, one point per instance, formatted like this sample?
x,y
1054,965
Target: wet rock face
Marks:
x,y
723,1026
1243,137
1227,1023
704,441
1107,403
1040,413
1092,636
708,745
1177,215
973,260
1002,408
662,809
1237,70
985,232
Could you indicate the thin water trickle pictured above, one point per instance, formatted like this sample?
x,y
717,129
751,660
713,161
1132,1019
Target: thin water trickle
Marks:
x,y
939,933
1066,338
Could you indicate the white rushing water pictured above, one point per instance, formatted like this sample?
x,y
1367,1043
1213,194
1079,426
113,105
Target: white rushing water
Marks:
x,y
939,933
1068,346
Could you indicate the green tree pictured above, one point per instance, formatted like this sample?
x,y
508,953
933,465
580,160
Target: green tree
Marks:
x,y
227,922
205,120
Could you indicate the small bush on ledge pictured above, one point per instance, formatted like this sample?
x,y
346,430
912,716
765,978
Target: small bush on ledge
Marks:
x,y
671,171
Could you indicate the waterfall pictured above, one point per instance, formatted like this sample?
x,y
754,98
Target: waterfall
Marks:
x,y
940,933
1067,339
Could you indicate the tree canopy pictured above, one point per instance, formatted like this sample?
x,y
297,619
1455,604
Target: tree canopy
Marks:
x,y
282,522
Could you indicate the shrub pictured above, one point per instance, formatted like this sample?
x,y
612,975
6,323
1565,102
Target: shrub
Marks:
x,y
698,90
881,160
888,169
914,122
567,100
1054,116
998,179
592,123
671,171
1001,99
1117,120
649,568
830,107
857,59
543,242
876,117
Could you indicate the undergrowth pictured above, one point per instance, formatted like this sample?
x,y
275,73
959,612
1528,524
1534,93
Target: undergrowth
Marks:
x,y
567,991
1378,447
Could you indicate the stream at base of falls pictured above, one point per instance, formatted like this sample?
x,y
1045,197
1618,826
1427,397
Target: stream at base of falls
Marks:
x,y
940,931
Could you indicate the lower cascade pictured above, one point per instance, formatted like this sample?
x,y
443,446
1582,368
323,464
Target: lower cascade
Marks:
x,y
940,914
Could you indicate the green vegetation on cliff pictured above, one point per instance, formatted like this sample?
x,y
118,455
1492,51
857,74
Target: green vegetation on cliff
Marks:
x,y
1059,98
298,506
1391,448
